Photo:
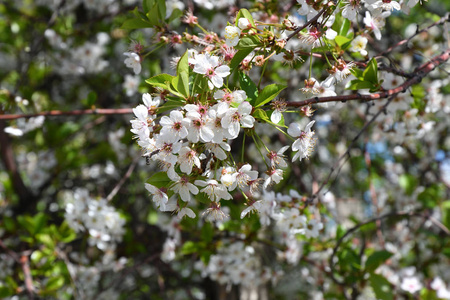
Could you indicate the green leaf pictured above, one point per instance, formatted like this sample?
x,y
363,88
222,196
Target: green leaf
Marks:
x,y
6,292
268,93
176,14
358,73
260,115
359,85
248,86
344,27
9,223
445,207
244,13
135,23
371,72
66,234
27,223
381,287
159,180
248,42
147,4
376,259
152,217
161,4
203,198
161,80
189,247
419,95
239,57
342,41
170,105
54,283
430,196
181,81
157,13
408,183
45,239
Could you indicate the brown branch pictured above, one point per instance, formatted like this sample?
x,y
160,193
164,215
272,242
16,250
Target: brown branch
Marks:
x,y
419,73
58,113
7,156
123,179
359,64
444,19
25,263
306,24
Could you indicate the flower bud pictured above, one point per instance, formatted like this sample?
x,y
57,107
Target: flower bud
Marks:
x,y
244,23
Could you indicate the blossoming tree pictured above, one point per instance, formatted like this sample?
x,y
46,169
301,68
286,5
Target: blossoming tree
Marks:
x,y
225,150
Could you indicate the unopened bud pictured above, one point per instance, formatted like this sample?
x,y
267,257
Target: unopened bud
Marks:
x,y
281,43
288,25
244,23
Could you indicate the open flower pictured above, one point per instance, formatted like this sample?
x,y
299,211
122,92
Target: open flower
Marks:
x,y
210,67
359,45
214,190
305,141
184,188
238,116
133,61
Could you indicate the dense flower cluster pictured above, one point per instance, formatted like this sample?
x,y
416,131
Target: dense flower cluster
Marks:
x,y
101,221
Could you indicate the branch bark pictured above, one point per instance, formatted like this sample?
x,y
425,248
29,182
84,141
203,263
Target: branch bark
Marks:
x,y
7,155
419,73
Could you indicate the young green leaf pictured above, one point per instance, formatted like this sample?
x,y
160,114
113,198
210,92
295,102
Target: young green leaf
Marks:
x,y
381,287
376,259
344,27
238,57
248,86
342,41
248,42
159,180
244,13
181,81
359,85
161,80
268,93
260,115
371,72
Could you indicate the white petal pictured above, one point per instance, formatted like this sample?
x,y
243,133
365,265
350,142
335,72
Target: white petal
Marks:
x,y
276,117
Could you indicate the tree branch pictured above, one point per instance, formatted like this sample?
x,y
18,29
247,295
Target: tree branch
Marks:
x,y
7,156
419,73
58,113
306,24
444,19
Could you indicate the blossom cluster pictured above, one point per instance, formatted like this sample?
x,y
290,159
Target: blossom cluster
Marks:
x,y
236,263
101,221
192,146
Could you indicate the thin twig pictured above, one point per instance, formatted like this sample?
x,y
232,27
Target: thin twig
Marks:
x,y
58,113
444,19
123,179
306,24
419,73
25,263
